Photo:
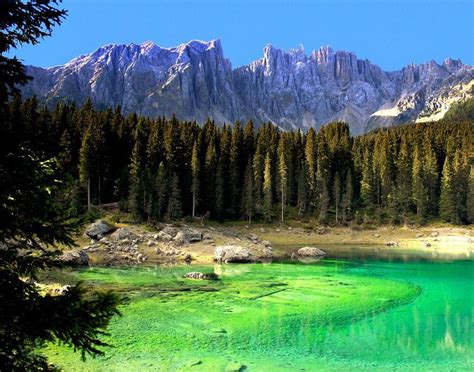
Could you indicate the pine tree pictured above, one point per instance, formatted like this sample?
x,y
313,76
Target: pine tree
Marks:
x,y
138,192
322,178
419,191
404,179
302,195
283,174
311,166
431,176
247,197
258,170
195,167
210,166
174,200
235,171
446,202
347,197
32,220
337,194
459,187
160,188
267,189
470,196
220,198
86,164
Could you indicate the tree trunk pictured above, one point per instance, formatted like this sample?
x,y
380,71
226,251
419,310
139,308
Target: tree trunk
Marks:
x,y
282,205
194,203
88,194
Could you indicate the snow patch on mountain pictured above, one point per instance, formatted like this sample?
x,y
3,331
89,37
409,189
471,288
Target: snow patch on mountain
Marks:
x,y
288,88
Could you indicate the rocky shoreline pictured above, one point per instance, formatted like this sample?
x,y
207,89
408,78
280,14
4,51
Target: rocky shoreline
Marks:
x,y
104,243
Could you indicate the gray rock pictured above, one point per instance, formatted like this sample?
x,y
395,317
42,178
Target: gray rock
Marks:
x,y
74,258
186,236
391,244
266,243
200,276
434,234
267,253
253,238
232,253
310,252
150,243
98,228
124,233
164,237
169,230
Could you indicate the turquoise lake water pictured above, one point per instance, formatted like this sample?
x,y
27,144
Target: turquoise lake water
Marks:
x,y
335,314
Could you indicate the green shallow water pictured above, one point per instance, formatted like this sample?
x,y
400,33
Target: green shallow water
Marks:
x,y
331,315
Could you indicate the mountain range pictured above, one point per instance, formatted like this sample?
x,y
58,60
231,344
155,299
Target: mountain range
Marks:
x,y
289,88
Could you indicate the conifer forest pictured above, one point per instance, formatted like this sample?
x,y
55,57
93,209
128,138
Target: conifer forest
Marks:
x,y
164,169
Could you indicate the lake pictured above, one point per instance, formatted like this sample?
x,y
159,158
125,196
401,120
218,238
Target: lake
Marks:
x,y
338,313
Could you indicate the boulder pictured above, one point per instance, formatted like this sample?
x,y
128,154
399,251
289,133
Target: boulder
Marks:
x,y
98,228
310,252
391,244
434,234
200,276
186,236
170,230
267,253
74,258
164,237
150,243
122,233
266,243
253,238
232,253
321,230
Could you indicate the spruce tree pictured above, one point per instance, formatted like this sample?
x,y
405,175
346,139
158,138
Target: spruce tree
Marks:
x,y
446,203
337,194
267,189
235,165
247,196
347,197
419,190
195,167
311,166
33,222
283,174
470,196
302,194
431,176
174,200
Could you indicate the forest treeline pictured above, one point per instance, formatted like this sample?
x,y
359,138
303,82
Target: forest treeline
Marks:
x,y
165,169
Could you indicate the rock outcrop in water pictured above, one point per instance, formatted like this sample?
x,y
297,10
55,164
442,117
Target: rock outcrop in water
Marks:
x,y
310,252
289,88
232,253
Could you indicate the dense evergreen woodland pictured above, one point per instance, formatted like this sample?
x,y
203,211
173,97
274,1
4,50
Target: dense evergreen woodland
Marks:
x,y
164,169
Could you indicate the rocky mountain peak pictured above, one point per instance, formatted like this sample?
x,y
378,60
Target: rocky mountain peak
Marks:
x,y
194,80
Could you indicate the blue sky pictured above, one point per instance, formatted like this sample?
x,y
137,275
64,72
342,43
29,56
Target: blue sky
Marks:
x,y
391,33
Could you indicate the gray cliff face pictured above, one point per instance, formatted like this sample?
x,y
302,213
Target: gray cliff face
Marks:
x,y
195,81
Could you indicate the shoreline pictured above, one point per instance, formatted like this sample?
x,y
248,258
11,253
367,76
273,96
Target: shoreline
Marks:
x,y
390,242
